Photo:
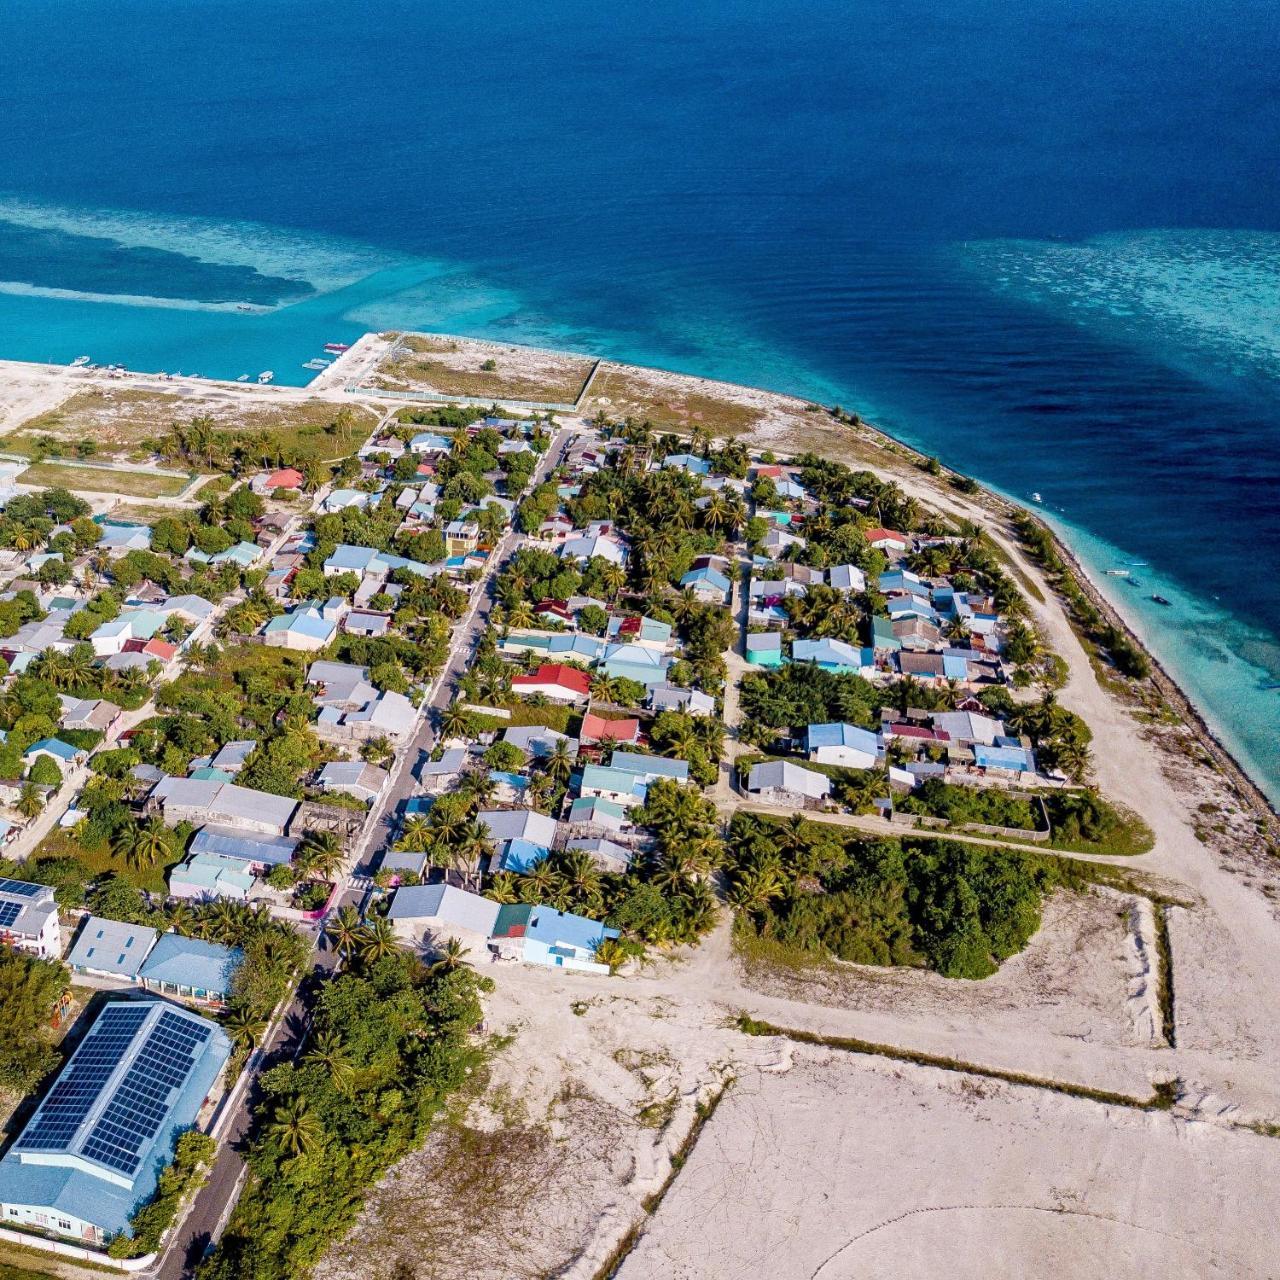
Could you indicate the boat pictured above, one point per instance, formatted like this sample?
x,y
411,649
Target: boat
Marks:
x,y
1162,600
1136,564
79,361
1117,573
265,376
1035,497
316,364
1132,582
337,347
244,377
1267,688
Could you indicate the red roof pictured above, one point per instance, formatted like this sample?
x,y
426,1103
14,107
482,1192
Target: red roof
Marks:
x,y
769,469
160,649
601,730
917,731
882,535
569,678
285,478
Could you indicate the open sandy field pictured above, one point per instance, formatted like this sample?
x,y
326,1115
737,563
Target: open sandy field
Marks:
x,y
846,1167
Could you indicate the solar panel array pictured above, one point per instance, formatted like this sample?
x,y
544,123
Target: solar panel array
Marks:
x,y
20,887
76,1090
142,1099
9,912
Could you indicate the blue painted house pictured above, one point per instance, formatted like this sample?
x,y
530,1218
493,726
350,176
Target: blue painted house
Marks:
x,y
542,935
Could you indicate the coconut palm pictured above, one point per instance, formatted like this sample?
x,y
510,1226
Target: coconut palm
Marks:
x,y
520,615
415,835
320,854
456,722
613,578
377,939
343,930
755,888
558,763
538,883
451,956
604,688
583,877
180,916
473,847
143,844
30,800
505,888
328,1051
611,952
243,1026
295,1128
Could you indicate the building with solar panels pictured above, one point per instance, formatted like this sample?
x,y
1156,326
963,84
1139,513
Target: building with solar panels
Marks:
x,y
29,918
93,1151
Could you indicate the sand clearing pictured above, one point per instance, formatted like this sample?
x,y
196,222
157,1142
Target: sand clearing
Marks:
x,y
847,1167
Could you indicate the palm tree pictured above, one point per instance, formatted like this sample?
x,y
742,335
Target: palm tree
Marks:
x,y
541,789
456,722
755,887
143,844
603,687
685,606
377,939
450,957
505,888
520,615
538,883
224,921
180,916
583,877
243,1026
415,835
30,800
296,1128
327,1050
613,578
343,930
320,854
559,761
611,952
473,846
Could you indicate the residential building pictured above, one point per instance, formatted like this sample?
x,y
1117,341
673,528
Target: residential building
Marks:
x,y
555,682
834,655
190,969
783,783
597,729
29,918
650,768
618,785
258,852
887,540
61,753
432,913
596,813
847,577
110,949
353,778
670,697
92,1153
542,935
304,630
206,876
221,803
461,536
764,648
842,744
709,585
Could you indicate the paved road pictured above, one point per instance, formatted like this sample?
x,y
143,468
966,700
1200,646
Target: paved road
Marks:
x,y
404,781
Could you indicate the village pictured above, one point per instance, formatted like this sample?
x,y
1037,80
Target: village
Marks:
x,y
496,687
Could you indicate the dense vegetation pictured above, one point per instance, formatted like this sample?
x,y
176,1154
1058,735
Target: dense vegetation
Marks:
x,y
957,909
389,1043
193,1152
30,989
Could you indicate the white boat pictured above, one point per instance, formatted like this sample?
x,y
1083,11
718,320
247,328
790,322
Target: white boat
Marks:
x,y
1035,497
79,361
266,375
1117,573
244,377
316,364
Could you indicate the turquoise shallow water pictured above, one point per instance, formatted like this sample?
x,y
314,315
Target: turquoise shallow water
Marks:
x,y
993,229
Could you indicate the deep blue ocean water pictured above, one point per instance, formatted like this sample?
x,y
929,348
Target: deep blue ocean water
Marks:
x,y
1040,240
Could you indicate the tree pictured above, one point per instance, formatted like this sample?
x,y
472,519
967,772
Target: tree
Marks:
x,y
320,854
457,722
328,1051
376,940
451,957
344,931
243,1026
611,952
295,1129
143,844
44,772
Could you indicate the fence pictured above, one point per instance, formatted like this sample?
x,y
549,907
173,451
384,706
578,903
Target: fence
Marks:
x,y
533,406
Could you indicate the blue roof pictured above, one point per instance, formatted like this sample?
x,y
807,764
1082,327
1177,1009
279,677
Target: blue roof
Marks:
x,y
546,924
656,766
191,962
843,735
597,777
713,577
584,808
832,653
520,855
689,462
1002,757
517,780
645,675
206,773
303,622
107,1126
54,746
229,842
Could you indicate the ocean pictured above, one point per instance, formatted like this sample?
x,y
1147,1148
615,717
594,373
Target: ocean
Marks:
x,y
1041,241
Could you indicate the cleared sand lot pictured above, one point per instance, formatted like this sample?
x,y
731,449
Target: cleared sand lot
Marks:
x,y
849,1167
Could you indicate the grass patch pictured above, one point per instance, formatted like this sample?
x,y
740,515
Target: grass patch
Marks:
x,y
1162,1097
1164,973
136,484
100,861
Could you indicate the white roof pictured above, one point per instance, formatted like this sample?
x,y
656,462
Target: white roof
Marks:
x,y
519,824
782,775
446,904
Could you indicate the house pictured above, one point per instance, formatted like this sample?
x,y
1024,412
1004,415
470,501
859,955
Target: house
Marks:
x,y
518,856
886,539
650,768
640,630
607,854
341,499
353,778
221,803
1007,759
404,868
904,582
670,697
304,630
847,577
361,622
432,913
258,852
555,682
764,648
285,478
118,540
689,462
430,442
834,655
369,563
518,824
777,540
969,726
538,741
882,636
509,788
190,969
461,536
842,744
617,785
783,783
232,755
93,1151
341,684
61,753
206,876
707,584
436,775
596,812
110,949
133,624
390,715
597,729
244,555
542,935
589,546
29,918
193,610
93,714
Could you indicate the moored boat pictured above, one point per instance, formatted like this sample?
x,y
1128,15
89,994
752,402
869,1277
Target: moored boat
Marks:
x,y
1162,600
266,375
